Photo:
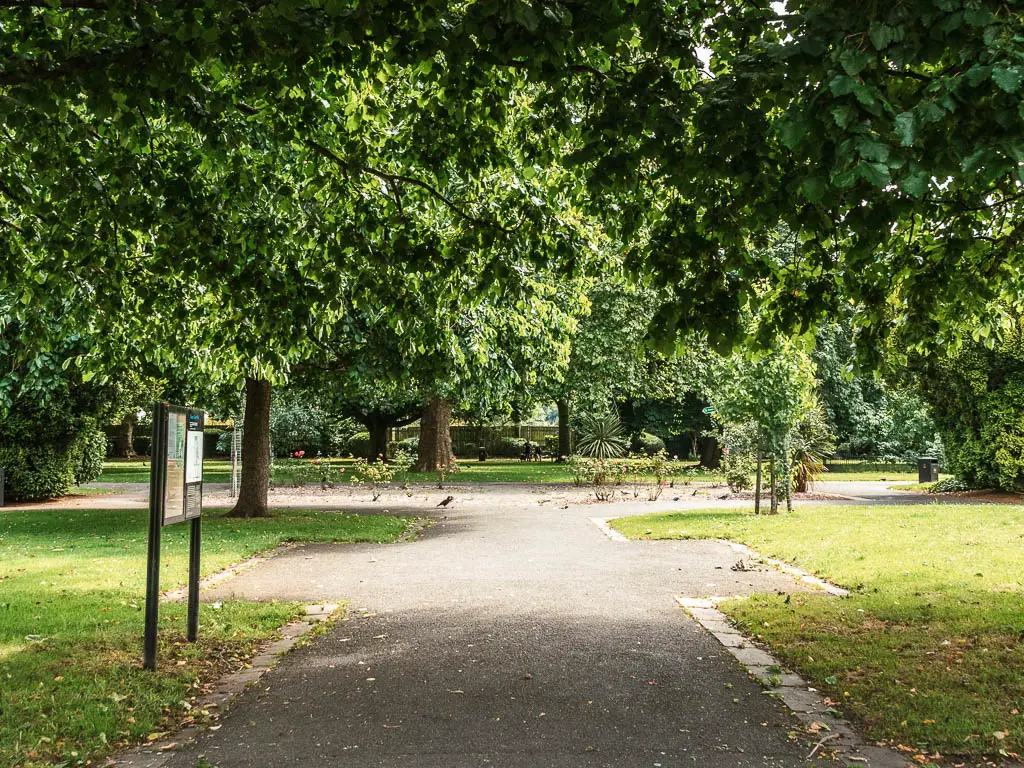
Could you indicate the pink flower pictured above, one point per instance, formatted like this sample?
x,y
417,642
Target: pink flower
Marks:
x,y
300,454
341,469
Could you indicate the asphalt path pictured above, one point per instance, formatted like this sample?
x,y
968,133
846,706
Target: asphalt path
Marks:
x,y
516,636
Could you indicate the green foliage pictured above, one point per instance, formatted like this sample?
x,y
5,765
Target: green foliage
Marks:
x,y
601,437
812,441
375,474
88,452
976,397
409,445
869,416
647,444
45,451
739,471
302,421
302,471
359,445
446,471
603,475
949,485
839,119
511,447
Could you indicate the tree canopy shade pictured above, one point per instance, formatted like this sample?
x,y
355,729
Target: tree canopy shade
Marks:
x,y
271,148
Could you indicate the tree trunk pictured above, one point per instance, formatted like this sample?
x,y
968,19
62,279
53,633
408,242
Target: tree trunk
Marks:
x,y
252,493
435,436
710,455
775,489
126,436
757,483
378,429
564,436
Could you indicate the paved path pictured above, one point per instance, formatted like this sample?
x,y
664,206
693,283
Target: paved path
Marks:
x,y
516,636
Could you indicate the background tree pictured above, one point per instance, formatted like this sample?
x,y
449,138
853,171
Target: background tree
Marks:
x,y
871,414
772,391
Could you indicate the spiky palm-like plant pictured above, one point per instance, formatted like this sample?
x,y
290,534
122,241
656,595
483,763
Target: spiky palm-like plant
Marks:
x,y
601,437
812,442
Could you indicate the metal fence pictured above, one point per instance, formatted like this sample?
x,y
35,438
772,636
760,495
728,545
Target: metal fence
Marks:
x,y
869,464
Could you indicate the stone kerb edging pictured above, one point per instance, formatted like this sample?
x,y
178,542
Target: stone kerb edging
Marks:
x,y
805,702
792,570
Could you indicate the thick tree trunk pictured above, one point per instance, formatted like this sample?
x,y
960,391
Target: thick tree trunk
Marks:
x,y
564,436
710,454
378,429
252,493
126,436
435,436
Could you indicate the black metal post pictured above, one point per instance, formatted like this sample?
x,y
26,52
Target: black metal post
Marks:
x,y
157,481
193,579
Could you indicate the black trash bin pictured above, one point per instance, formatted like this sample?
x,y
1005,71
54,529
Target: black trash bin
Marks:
x,y
927,469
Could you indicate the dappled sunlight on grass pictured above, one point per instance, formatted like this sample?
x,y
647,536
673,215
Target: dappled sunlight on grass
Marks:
x,y
929,650
71,614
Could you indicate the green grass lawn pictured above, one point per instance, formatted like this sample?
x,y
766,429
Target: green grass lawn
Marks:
x,y
71,615
137,471
928,652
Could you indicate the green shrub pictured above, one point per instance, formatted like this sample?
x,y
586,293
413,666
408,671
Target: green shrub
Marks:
x,y
46,451
949,485
359,445
37,472
216,442
142,445
601,437
647,444
551,445
976,396
87,454
511,447
739,471
410,445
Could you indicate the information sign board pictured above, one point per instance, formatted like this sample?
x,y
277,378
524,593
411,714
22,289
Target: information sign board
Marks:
x,y
183,492
175,495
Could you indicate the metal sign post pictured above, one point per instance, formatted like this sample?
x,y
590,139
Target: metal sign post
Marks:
x,y
175,495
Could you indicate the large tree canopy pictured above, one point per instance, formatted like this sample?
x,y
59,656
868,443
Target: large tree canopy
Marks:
x,y
165,161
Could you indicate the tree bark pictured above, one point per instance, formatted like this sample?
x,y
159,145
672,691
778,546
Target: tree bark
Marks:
x,y
564,436
252,492
378,429
710,454
126,436
775,489
435,436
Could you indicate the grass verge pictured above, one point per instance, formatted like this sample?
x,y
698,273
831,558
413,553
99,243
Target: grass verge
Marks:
x,y
490,471
71,610
928,652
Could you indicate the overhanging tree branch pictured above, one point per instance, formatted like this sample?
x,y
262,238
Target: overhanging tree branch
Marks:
x,y
393,179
